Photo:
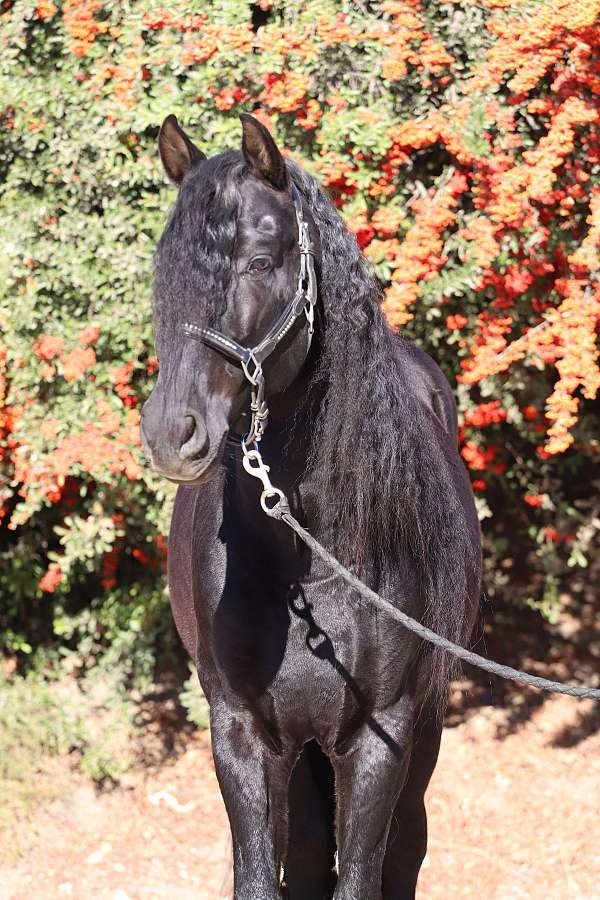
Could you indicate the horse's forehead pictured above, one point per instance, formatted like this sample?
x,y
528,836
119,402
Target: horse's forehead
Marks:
x,y
263,209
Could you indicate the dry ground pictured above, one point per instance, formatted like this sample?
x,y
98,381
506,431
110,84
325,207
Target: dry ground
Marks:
x,y
513,810
513,804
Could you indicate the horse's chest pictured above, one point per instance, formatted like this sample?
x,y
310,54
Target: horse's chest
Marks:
x,y
313,664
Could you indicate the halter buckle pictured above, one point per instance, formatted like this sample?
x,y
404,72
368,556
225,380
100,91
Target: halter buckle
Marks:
x,y
255,377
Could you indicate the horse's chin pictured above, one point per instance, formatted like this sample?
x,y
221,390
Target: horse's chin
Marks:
x,y
202,478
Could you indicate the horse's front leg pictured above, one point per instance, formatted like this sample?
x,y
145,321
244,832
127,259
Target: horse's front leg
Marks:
x,y
407,841
253,781
369,777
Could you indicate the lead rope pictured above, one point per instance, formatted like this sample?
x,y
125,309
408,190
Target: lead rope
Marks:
x,y
254,465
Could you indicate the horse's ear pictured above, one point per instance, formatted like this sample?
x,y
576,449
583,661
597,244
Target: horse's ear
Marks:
x,y
177,152
261,152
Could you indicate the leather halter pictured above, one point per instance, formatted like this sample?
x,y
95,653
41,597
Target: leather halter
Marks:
x,y
252,358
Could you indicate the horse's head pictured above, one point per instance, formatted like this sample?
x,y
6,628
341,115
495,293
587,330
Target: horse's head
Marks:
x,y
227,265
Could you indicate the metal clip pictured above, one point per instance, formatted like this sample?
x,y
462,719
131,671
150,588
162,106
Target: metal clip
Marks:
x,y
304,236
255,466
259,413
256,377
309,312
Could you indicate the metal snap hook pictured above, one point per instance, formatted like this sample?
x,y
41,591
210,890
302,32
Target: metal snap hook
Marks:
x,y
254,465
279,507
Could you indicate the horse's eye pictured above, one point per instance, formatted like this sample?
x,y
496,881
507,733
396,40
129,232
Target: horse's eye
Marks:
x,y
260,264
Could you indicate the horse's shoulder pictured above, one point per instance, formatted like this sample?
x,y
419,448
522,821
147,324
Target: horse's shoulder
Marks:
x,y
429,383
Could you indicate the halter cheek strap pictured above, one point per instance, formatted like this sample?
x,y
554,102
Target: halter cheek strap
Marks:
x,y
252,358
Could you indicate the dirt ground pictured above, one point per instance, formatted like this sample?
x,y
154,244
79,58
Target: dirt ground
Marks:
x,y
513,812
513,804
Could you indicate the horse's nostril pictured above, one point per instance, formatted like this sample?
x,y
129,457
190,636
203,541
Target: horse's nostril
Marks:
x,y
189,429
194,438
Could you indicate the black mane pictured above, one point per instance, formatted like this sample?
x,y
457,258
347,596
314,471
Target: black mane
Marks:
x,y
378,458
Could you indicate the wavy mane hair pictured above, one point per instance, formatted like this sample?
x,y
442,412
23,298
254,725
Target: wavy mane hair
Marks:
x,y
378,458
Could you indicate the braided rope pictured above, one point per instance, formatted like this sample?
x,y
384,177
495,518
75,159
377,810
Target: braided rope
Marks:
x,y
281,511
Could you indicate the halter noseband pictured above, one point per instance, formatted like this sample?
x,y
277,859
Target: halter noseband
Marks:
x,y
252,358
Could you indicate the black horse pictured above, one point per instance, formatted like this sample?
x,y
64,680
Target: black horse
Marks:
x,y
325,717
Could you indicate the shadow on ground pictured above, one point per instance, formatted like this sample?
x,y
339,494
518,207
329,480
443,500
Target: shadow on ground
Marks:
x,y
567,651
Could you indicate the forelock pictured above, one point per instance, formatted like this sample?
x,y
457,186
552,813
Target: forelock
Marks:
x,y
193,257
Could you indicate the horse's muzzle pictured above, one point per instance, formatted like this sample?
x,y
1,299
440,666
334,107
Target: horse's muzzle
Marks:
x,y
178,443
